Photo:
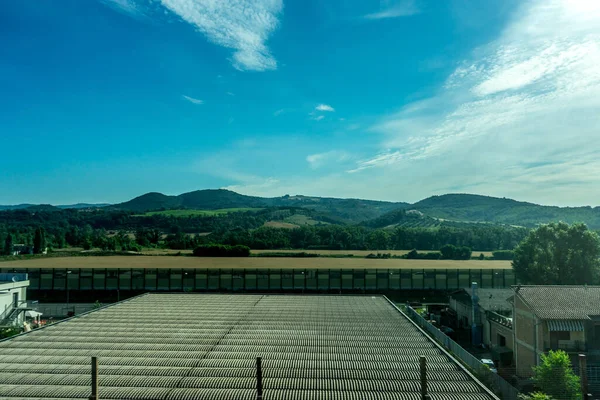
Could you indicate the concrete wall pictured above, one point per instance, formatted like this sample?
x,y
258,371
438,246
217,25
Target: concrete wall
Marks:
x,y
496,329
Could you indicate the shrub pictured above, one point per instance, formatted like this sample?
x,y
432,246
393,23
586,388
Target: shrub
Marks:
x,y
220,250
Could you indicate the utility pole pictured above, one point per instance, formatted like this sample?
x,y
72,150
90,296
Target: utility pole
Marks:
x,y
583,376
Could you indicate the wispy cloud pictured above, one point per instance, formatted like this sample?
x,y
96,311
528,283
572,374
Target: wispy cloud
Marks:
x,y
324,107
193,100
318,117
318,160
279,112
230,94
241,25
528,98
126,6
394,9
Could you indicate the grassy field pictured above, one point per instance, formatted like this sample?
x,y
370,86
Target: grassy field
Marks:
x,y
357,253
248,263
192,213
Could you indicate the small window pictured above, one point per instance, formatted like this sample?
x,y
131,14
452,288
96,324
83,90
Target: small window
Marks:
x,y
501,340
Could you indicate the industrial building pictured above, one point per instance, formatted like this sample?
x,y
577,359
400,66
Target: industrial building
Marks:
x,y
204,346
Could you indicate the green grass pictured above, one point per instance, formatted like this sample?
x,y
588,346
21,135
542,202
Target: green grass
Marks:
x,y
194,213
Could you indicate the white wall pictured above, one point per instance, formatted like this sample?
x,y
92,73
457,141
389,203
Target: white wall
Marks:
x,y
6,296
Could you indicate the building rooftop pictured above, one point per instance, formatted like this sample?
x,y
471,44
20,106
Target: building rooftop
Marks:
x,y
202,346
489,299
561,302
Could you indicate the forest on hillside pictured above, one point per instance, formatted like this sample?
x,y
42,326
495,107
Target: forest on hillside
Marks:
x,y
124,230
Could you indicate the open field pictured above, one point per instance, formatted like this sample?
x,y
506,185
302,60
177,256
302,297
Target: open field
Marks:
x,y
248,263
355,253
193,213
358,253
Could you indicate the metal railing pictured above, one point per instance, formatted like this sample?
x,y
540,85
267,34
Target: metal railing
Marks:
x,y
492,380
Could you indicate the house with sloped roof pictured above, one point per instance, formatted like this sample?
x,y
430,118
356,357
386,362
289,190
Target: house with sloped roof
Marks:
x,y
492,318
552,318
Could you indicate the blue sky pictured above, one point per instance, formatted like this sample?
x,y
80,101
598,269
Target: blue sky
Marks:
x,y
101,101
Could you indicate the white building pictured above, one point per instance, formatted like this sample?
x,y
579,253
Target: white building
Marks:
x,y
13,299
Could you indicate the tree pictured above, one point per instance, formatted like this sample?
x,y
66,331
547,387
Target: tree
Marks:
x,y
556,254
448,251
39,241
535,396
556,378
8,245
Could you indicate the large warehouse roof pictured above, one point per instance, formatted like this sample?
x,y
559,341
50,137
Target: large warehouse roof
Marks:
x,y
195,346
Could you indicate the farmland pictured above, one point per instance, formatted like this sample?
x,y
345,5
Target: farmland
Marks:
x,y
198,213
322,252
356,253
142,262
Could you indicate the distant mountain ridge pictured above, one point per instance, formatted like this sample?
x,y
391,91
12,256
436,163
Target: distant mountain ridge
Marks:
x,y
62,206
429,212
477,208
348,210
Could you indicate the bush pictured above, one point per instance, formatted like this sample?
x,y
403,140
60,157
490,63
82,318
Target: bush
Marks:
x,y
503,255
534,396
451,252
415,255
220,250
555,376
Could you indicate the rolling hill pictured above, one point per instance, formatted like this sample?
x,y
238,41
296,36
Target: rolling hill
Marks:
x,y
430,212
343,210
476,208
61,206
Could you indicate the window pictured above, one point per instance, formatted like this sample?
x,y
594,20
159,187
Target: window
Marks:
x,y
501,340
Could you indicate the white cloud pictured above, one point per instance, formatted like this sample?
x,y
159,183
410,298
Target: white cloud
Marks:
x,y
320,159
318,117
241,25
324,107
125,6
529,98
394,9
193,100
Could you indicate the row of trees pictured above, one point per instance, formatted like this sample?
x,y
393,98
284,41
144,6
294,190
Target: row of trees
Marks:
x,y
333,237
558,254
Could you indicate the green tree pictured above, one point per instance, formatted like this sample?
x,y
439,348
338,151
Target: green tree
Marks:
x,y
557,254
39,241
535,396
448,252
8,244
556,378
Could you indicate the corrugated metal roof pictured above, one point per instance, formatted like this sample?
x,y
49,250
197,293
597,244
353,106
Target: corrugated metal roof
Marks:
x,y
192,346
561,302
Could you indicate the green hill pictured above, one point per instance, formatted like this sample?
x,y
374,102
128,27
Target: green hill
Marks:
x,y
402,217
475,208
341,210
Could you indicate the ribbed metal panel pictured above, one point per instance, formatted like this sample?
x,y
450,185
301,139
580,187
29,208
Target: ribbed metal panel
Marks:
x,y
187,346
